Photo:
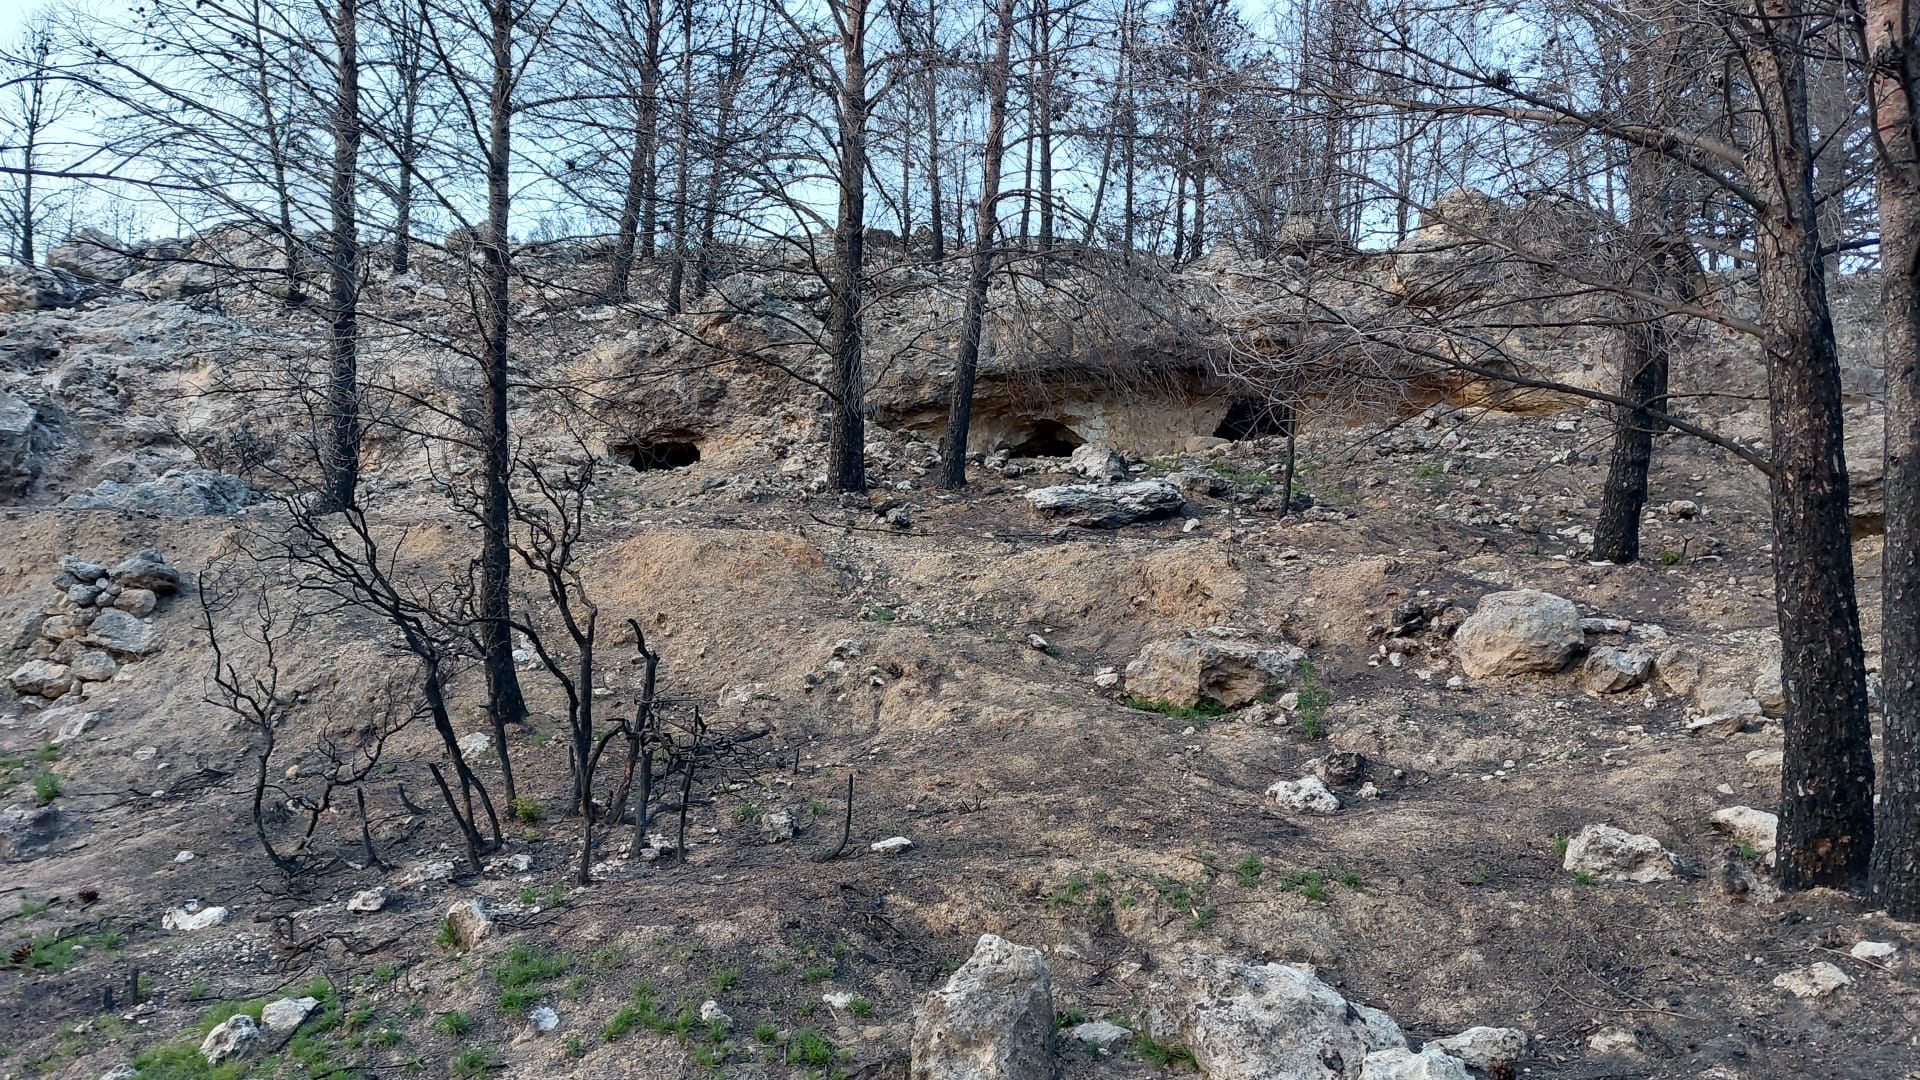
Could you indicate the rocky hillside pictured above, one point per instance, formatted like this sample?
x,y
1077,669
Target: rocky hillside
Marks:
x,y
1148,776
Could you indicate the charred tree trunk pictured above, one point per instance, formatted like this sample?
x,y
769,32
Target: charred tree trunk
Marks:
x,y
1826,796
504,702
1643,381
683,163
1889,39
929,89
953,449
340,456
637,204
847,467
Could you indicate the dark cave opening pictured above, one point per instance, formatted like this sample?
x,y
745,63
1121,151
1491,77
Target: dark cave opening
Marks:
x,y
1252,418
646,455
1046,438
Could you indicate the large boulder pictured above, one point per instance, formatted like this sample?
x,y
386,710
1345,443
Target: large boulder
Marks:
x,y
146,569
27,288
1263,1021
1219,664
41,678
993,1020
122,634
1513,633
1097,463
234,1039
92,255
1104,506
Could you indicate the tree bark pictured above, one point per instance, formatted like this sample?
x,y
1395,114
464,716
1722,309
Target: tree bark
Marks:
x,y
340,458
1826,797
504,701
929,88
683,164
847,464
1895,75
953,448
637,204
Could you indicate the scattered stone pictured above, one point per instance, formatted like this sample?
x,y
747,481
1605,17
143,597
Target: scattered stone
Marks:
x,y
711,1012
1756,829
779,825
1611,854
541,1019
892,845
1600,625
147,569
1724,710
475,744
1220,663
122,634
1765,760
1399,1063
94,665
42,678
469,923
421,873
137,601
1512,633
69,723
287,1013
1872,950
74,570
1340,768
234,1039
1100,1035
1306,795
122,1071
1813,981
1609,670
1097,463
367,901
1261,1021
839,999
191,916
1106,507
993,1020
1682,509
183,857
1679,669
1613,1041
1485,1047
1770,692
181,492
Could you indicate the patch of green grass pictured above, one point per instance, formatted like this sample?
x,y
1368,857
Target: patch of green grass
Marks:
x,y
1314,701
524,972
879,614
456,1024
1583,878
746,813
816,808
809,1047
1479,875
1311,884
1068,895
1165,1055
1748,851
473,1061
1348,879
1429,470
46,787
46,754
860,1007
814,973
766,1032
1236,475
1560,846
1671,557
444,937
724,980
1249,869
30,907
526,810
1204,709
384,972
1066,1018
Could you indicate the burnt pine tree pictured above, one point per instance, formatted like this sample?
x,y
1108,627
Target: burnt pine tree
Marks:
x,y
1888,43
847,467
340,456
953,449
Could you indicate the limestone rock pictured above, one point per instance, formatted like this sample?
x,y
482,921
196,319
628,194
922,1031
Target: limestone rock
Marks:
x,y
779,825
1679,669
892,845
1816,980
541,1019
1485,1047
192,916
475,744
1611,670
1724,710
993,1020
1106,507
1755,828
122,634
1100,1034
1097,463
29,288
711,1012
1512,633
469,922
93,256
94,665
1611,854
1873,950
367,901
68,723
146,569
1220,664
1398,1063
1306,795
1613,1041
1259,1021
43,678
234,1039
18,463
137,601
1770,692
287,1013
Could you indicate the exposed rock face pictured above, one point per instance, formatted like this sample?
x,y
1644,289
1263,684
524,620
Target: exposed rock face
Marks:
x,y
91,255
1220,663
992,1021
1611,854
1106,507
1513,633
25,288
235,1039
176,493
1262,1022
17,464
24,830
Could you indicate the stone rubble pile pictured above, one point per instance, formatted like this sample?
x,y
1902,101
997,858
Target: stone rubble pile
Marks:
x,y
97,626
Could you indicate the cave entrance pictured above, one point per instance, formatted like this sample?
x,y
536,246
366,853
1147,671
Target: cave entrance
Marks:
x,y
1046,438
1253,418
647,455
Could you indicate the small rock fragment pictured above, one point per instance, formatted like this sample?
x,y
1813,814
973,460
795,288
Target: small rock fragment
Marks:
x,y
1399,1063
287,1013
1100,1034
468,922
1611,854
367,901
892,845
234,1039
1872,950
191,916
1813,981
1485,1047
1306,795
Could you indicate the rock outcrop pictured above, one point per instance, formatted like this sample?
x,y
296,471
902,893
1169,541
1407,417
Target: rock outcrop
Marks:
x,y
993,1020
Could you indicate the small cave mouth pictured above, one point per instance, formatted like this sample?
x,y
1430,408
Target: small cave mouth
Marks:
x,y
1045,438
1252,418
648,455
